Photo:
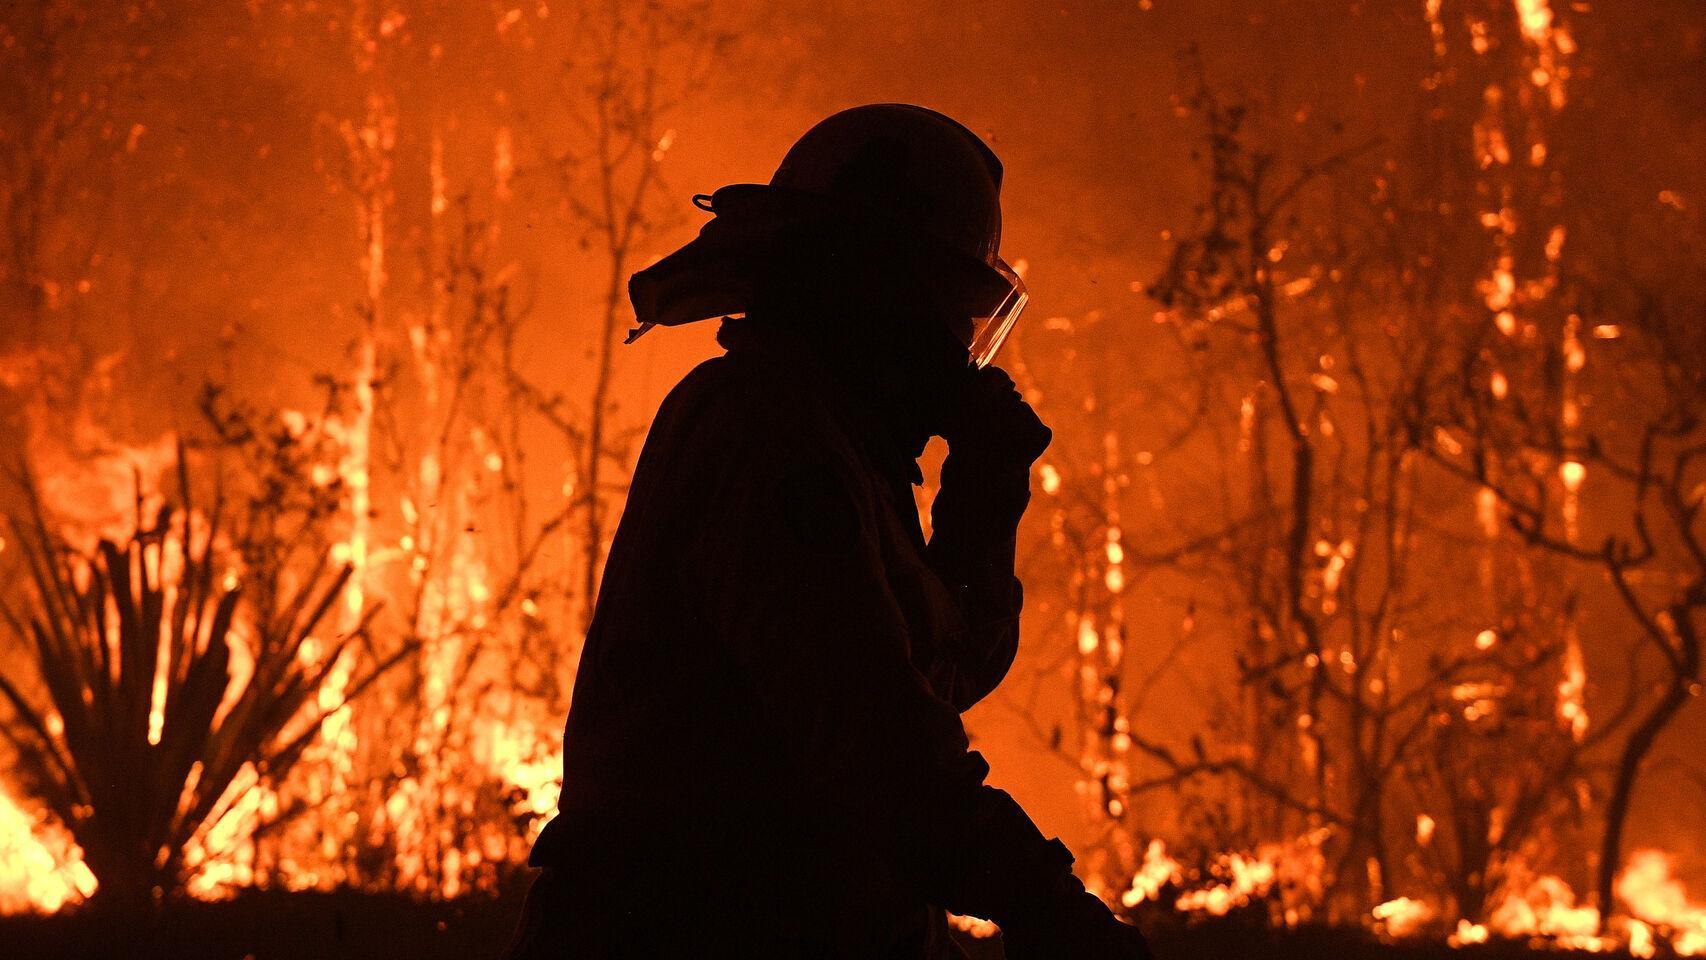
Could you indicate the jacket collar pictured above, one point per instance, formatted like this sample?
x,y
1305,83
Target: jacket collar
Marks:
x,y
795,355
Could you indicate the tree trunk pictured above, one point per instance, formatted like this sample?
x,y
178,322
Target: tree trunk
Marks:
x,y
128,879
1686,667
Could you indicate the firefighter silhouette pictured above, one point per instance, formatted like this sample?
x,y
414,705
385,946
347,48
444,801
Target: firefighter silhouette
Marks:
x,y
764,756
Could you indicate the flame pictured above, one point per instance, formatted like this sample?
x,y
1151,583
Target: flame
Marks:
x,y
1287,877
465,748
41,868
1543,910
1572,687
221,857
1246,878
1467,933
1158,870
1050,478
1402,917
1538,908
1545,907
1658,902
975,927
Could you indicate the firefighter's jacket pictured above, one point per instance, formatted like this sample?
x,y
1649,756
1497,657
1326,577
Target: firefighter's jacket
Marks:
x,y
764,754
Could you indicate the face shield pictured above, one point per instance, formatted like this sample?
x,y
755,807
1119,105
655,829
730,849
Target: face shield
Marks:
x,y
989,332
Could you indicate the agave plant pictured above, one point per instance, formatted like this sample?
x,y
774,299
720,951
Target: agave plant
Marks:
x,y
135,724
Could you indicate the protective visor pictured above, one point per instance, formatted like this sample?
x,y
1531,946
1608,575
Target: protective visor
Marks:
x,y
989,332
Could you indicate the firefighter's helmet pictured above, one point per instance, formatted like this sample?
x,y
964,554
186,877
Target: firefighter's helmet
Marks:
x,y
916,179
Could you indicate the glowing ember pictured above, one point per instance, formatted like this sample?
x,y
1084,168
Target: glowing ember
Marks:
x,y
974,927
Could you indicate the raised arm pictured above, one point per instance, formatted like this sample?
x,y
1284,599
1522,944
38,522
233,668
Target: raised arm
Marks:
x,y
801,595
974,521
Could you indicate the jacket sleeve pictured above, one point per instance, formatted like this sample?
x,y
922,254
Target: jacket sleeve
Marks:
x,y
974,521
799,595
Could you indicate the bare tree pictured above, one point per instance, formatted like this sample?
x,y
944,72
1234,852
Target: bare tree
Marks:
x,y
477,573
1318,352
1647,471
631,65
1579,316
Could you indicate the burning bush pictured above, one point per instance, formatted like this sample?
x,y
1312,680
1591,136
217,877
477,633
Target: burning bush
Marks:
x,y
169,670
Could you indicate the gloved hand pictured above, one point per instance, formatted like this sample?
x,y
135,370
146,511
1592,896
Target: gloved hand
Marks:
x,y
991,424
1073,925
993,437
997,864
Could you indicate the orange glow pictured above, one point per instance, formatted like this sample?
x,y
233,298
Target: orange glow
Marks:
x,y
41,869
1345,581
1659,902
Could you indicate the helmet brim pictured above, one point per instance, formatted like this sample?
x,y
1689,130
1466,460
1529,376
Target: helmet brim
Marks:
x,y
717,273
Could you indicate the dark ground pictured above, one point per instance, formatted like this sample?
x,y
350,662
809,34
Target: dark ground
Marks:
x,y
334,926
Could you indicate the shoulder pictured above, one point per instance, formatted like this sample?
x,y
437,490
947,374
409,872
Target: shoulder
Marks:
x,y
750,408
723,389
752,438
